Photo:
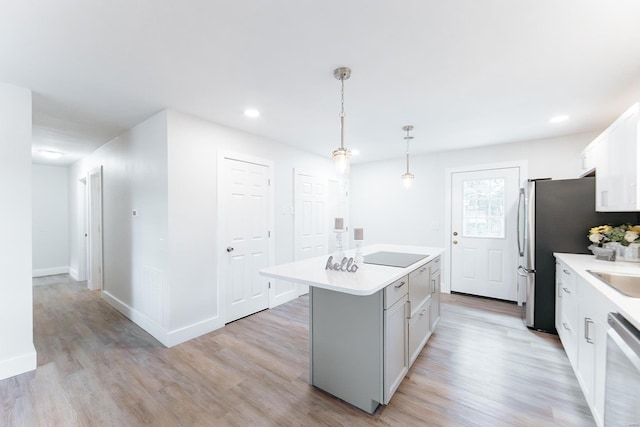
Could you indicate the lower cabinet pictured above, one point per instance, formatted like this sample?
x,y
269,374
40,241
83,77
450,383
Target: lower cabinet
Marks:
x,y
567,311
435,296
592,346
362,346
419,330
396,337
424,300
581,321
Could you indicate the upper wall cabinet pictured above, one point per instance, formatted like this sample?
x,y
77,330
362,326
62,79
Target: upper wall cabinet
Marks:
x,y
616,160
587,160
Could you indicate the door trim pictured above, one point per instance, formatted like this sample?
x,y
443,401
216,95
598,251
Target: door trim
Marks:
x,y
221,253
446,262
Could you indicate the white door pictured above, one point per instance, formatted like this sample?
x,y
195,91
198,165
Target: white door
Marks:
x,y
95,229
246,236
484,257
311,223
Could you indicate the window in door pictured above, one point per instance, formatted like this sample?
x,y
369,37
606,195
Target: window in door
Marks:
x,y
483,208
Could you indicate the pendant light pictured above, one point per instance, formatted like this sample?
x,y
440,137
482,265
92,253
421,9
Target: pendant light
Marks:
x,y
342,155
407,178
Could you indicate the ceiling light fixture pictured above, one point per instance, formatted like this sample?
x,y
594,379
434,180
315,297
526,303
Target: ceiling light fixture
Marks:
x,y
558,119
341,155
250,112
407,178
50,154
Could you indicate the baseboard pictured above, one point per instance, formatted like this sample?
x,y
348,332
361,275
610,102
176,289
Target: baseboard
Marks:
x,y
39,272
178,336
166,337
18,365
74,274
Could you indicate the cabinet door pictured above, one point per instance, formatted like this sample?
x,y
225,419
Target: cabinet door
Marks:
x,y
617,164
419,330
568,312
592,345
587,160
558,321
435,299
601,153
586,340
396,347
419,287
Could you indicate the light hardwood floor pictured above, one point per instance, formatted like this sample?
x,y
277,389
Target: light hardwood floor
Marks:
x,y
482,367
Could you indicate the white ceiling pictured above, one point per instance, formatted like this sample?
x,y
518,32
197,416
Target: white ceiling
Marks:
x,y
463,72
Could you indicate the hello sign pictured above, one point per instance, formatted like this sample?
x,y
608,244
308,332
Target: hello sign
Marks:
x,y
346,265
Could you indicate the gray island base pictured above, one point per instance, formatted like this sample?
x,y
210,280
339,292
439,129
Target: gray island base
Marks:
x,y
367,328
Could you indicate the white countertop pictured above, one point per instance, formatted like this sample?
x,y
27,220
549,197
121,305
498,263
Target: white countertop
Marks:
x,y
368,280
629,307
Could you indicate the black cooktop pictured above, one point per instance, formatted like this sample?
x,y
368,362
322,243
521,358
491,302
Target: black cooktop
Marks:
x,y
393,259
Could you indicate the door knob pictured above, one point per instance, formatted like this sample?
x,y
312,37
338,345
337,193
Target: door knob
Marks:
x,y
455,233
455,242
229,249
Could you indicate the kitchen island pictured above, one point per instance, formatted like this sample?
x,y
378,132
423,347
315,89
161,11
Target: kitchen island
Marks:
x,y
366,328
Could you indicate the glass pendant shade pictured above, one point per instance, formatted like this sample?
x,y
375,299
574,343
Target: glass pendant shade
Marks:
x,y
341,157
407,179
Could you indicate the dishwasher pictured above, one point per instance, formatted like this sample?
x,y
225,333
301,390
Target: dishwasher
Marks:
x,y
622,389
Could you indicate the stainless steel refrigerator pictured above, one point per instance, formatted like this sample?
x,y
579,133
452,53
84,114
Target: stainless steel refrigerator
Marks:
x,y
555,216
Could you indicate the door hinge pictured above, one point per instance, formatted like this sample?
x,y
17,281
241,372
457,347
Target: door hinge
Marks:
x,y
269,285
269,233
269,182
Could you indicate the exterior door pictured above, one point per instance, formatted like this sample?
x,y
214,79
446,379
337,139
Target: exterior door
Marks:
x,y
484,254
246,214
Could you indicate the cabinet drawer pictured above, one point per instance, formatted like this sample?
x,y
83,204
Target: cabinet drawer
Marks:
x,y
569,337
419,330
419,287
567,278
435,265
395,291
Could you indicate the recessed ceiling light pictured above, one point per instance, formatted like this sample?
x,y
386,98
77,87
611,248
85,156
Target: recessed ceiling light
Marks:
x,y
50,154
558,119
250,112
355,152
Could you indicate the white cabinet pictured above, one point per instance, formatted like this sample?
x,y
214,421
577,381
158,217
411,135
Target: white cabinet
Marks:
x,y
581,321
396,336
617,163
592,346
587,160
567,311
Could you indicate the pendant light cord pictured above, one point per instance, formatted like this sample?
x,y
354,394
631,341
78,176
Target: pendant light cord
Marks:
x,y
342,113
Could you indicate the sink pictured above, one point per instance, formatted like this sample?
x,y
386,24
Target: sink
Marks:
x,y
626,284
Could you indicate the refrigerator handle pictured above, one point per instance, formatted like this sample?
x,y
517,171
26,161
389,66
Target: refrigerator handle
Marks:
x,y
520,245
524,271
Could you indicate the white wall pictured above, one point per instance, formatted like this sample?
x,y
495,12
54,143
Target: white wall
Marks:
x,y
50,220
17,352
389,213
161,268
135,249
194,145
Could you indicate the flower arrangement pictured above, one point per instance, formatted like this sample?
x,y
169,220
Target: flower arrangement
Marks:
x,y
624,234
